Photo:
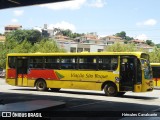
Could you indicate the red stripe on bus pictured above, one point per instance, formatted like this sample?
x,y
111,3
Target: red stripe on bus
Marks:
x,y
11,73
156,79
45,74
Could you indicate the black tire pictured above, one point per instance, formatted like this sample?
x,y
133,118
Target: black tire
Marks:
x,y
120,94
110,89
55,89
41,85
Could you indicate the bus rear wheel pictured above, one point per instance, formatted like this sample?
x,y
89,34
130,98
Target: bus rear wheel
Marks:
x,y
55,89
110,89
41,85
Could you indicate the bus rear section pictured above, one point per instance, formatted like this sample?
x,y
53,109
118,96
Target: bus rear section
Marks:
x,y
17,71
156,73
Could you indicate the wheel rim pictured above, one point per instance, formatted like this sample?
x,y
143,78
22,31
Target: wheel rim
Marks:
x,y
40,85
111,90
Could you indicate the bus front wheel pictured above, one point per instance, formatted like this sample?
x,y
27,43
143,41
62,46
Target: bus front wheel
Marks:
x,y
110,89
41,85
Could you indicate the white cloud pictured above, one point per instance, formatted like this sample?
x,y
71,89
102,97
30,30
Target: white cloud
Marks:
x,y
18,12
37,28
72,5
142,37
149,22
97,3
63,25
14,20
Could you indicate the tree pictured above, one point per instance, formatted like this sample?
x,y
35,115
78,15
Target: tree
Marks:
x,y
67,32
17,36
129,38
10,43
74,35
155,55
13,46
46,46
23,47
149,42
158,45
32,36
117,47
2,55
121,34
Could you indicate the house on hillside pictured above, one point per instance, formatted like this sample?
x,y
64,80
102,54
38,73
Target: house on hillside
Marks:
x,y
90,38
141,44
62,39
110,40
137,42
2,39
10,28
146,47
83,47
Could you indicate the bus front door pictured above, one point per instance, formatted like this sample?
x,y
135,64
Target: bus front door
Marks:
x,y
127,68
22,67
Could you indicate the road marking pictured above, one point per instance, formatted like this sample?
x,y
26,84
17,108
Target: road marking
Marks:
x,y
72,100
156,110
86,104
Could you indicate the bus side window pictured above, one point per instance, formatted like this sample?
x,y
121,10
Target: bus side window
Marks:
x,y
68,62
114,63
30,65
107,63
86,62
156,72
52,63
12,62
124,64
37,62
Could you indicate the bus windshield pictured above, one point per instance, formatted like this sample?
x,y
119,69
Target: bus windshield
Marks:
x,y
147,69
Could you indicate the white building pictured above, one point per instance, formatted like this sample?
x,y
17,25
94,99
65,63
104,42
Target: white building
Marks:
x,y
82,47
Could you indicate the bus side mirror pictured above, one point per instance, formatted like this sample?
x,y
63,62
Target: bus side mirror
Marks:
x,y
145,64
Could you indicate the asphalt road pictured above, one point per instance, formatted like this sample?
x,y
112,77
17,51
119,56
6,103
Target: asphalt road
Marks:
x,y
87,104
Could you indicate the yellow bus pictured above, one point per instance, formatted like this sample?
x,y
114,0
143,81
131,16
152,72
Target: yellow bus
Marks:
x,y
113,72
156,73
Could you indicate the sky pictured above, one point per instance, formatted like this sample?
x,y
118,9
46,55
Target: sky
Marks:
x,y
140,19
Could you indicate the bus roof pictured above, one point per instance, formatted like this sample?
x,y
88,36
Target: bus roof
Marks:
x,y
155,64
138,54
